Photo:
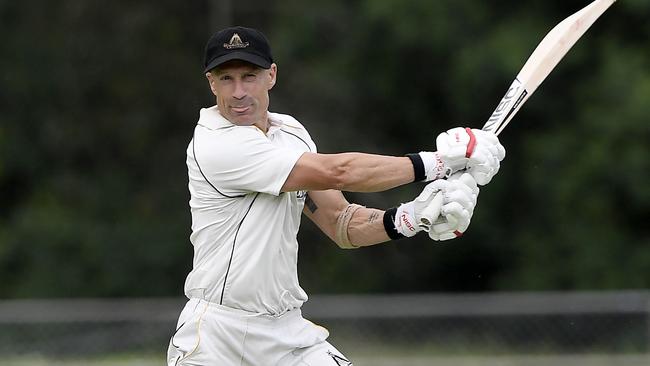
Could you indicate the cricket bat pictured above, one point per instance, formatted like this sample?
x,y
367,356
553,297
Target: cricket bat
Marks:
x,y
542,61
539,65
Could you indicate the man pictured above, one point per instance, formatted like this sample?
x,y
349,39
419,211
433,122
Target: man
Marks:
x,y
251,175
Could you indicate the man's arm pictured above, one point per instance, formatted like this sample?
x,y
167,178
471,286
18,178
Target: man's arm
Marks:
x,y
478,152
354,172
365,227
353,226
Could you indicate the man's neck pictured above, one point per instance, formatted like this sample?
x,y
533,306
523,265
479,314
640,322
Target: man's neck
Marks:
x,y
263,124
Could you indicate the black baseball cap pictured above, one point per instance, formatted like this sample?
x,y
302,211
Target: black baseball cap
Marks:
x,y
238,43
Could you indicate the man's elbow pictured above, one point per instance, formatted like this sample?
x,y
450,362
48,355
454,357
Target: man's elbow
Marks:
x,y
320,172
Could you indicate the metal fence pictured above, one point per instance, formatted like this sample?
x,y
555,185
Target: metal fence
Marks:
x,y
596,322
584,322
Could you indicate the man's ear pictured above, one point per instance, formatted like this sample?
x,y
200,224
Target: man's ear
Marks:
x,y
273,75
210,78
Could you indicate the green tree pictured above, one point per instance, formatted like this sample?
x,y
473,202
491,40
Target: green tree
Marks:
x,y
98,103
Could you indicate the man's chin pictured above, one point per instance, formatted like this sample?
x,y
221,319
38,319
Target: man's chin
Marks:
x,y
240,120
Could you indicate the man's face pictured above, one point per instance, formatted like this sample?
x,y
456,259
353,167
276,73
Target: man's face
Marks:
x,y
242,91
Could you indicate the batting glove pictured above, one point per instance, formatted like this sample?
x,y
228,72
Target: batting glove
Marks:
x,y
456,213
476,151
444,209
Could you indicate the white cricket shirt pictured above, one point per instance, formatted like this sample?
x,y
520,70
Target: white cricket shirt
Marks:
x,y
243,228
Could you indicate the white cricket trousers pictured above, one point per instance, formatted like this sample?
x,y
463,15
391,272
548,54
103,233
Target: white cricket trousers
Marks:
x,y
209,334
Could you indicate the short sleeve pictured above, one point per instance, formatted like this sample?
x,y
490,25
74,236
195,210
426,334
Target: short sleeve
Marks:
x,y
241,160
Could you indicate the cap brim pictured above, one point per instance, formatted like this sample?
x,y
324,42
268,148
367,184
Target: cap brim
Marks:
x,y
238,55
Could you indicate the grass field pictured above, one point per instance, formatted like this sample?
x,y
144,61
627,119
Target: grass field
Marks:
x,y
385,360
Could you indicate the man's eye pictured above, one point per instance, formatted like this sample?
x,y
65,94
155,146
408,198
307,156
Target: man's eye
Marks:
x,y
250,76
225,77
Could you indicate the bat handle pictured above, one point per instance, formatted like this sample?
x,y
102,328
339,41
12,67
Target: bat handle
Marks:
x,y
430,214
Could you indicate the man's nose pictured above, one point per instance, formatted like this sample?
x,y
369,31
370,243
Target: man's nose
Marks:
x,y
240,91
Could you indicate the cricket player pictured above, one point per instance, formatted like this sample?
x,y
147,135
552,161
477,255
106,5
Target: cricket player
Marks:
x,y
253,173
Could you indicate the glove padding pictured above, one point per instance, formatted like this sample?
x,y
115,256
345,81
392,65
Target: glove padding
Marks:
x,y
477,151
444,208
460,193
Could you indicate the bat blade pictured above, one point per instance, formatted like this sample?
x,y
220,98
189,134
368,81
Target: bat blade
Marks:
x,y
542,61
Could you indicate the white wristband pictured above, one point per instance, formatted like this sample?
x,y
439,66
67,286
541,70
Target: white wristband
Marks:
x,y
405,222
434,166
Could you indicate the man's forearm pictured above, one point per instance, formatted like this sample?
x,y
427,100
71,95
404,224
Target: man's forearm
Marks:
x,y
367,227
359,172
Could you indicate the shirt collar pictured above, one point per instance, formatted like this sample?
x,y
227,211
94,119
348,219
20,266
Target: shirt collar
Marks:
x,y
275,124
212,119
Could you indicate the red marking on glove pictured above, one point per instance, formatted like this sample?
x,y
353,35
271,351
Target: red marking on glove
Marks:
x,y
472,142
407,223
458,233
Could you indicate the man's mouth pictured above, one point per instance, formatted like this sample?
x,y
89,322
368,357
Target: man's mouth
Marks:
x,y
242,109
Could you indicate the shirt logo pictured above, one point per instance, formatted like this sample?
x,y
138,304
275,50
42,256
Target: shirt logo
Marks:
x,y
235,43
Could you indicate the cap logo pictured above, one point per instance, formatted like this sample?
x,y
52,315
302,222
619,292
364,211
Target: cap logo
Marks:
x,y
235,42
